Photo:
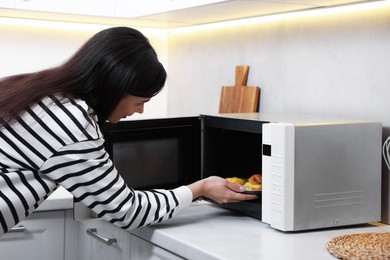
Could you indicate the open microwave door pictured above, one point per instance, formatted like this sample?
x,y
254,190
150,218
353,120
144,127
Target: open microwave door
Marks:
x,y
278,175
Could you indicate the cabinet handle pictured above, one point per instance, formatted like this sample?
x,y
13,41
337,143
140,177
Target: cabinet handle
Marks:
x,y
93,233
18,229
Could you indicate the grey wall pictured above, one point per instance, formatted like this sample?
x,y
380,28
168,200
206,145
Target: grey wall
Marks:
x,y
331,65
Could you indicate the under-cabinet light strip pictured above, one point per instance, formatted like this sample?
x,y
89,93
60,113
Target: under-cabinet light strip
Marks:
x,y
315,12
47,24
70,26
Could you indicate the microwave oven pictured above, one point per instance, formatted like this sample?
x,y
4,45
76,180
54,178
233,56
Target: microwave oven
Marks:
x,y
317,172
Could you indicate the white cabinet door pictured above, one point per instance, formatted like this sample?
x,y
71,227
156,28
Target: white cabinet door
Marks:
x,y
136,8
7,4
85,7
142,249
41,236
94,248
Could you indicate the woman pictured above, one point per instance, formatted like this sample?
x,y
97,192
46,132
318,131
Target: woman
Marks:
x,y
49,134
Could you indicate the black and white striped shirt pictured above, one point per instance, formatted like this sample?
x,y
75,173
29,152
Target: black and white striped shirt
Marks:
x,y
57,142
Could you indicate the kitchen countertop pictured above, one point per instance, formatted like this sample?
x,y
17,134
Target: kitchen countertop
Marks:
x,y
60,199
205,231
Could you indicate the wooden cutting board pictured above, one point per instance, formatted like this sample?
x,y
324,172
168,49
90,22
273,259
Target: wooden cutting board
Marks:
x,y
240,98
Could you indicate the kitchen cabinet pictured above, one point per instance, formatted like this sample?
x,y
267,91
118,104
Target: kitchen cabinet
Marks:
x,y
162,13
135,8
92,246
219,11
142,249
40,236
85,7
7,3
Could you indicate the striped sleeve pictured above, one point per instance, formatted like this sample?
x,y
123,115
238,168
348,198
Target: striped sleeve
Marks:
x,y
84,169
58,141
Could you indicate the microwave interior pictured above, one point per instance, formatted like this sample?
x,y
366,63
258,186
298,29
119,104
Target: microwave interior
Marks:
x,y
233,148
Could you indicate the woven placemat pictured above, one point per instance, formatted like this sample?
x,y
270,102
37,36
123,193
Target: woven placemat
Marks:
x,y
373,245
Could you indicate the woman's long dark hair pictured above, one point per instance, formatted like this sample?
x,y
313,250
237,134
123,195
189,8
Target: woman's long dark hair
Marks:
x,y
113,63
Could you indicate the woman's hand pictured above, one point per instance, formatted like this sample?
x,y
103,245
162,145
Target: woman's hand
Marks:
x,y
219,190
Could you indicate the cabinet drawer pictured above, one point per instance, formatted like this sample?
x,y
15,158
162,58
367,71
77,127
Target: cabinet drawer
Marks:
x,y
96,241
40,236
142,249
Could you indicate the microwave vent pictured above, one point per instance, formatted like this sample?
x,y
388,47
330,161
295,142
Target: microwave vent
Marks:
x,y
336,199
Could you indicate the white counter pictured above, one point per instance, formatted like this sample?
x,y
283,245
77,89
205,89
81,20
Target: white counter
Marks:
x,y
60,199
205,231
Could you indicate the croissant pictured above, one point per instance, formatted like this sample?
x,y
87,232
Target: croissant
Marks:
x,y
255,179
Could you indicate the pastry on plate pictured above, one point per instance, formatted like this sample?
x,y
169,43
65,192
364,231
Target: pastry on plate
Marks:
x,y
255,178
250,186
236,180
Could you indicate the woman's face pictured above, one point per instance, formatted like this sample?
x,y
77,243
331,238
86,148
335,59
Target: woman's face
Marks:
x,y
126,107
